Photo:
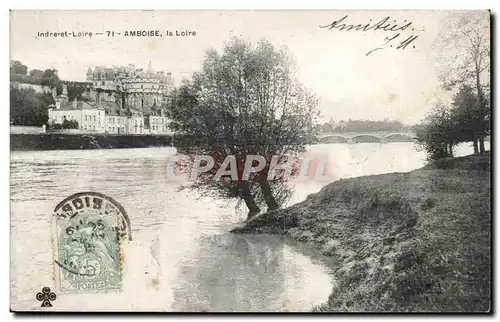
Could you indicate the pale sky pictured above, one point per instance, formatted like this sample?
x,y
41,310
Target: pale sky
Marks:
x,y
392,83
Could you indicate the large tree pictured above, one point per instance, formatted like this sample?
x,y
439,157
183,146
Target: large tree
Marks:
x,y
464,57
436,134
18,68
245,101
28,108
50,78
36,76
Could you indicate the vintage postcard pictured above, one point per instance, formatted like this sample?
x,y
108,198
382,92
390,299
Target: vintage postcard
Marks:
x,y
250,161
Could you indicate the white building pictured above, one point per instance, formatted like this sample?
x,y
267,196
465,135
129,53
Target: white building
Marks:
x,y
118,100
158,124
90,117
135,123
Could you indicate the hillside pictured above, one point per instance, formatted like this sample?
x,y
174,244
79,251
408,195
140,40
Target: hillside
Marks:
x,y
417,241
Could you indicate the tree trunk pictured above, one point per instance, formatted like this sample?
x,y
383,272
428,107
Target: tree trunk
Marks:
x,y
480,106
246,195
450,149
476,148
481,144
268,195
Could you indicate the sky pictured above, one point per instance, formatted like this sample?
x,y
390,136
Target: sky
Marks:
x,y
389,83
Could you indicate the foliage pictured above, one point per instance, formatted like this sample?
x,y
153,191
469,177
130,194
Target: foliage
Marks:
x,y
464,66
19,73
462,122
50,78
363,126
36,76
18,68
435,134
73,124
75,91
464,59
28,108
245,101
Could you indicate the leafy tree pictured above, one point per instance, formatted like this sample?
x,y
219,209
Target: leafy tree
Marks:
x,y
28,108
465,115
16,67
446,127
245,101
436,133
75,91
464,52
50,78
36,76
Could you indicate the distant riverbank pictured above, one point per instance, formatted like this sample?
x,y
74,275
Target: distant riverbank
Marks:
x,y
63,141
416,241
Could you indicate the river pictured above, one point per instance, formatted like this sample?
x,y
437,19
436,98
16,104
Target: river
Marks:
x,y
181,257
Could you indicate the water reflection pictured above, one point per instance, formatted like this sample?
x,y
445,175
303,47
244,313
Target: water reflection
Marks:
x,y
232,273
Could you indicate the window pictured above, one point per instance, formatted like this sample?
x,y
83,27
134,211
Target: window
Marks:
x,y
113,128
94,117
85,117
93,128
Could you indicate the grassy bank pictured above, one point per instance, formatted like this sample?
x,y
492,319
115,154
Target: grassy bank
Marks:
x,y
417,241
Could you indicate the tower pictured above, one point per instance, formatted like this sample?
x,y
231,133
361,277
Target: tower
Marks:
x,y
90,78
150,68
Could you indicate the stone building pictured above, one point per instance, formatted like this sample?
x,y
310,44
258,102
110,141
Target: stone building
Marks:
x,y
90,117
130,87
119,100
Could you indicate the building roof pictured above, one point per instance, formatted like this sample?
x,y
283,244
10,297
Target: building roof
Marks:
x,y
111,108
108,72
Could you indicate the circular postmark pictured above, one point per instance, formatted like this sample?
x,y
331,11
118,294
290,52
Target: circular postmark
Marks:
x,y
88,230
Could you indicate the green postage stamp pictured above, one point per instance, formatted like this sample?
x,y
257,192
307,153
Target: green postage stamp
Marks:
x,y
88,229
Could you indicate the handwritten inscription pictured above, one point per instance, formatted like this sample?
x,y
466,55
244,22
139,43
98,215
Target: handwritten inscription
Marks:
x,y
396,40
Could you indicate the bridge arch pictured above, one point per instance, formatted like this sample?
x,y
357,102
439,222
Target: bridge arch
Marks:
x,y
366,138
334,139
399,137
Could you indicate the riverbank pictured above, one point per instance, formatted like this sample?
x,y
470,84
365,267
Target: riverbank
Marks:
x,y
416,241
64,141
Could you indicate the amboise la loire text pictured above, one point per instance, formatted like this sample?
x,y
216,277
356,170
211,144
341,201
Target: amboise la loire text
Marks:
x,y
112,33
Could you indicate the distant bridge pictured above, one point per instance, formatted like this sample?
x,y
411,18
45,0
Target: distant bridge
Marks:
x,y
366,137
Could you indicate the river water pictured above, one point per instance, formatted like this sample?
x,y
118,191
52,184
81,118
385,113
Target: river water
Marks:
x,y
181,257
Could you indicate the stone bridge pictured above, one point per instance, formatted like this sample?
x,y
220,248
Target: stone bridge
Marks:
x,y
366,137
